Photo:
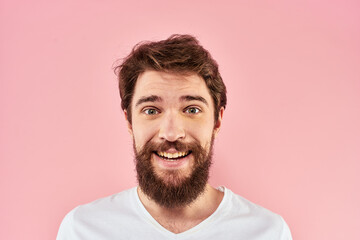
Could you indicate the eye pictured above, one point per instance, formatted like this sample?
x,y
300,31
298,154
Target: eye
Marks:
x,y
151,111
192,110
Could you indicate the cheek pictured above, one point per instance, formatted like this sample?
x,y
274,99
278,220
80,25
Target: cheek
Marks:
x,y
142,133
202,133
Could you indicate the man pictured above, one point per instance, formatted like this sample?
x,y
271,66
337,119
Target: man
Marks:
x,y
173,98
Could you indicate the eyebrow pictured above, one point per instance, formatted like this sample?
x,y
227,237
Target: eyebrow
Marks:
x,y
194,98
152,98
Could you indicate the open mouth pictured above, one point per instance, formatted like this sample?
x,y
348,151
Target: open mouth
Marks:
x,y
173,156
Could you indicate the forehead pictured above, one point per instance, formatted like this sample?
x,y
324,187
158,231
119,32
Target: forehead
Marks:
x,y
170,85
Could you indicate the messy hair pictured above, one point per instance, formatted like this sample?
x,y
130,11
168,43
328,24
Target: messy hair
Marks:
x,y
181,54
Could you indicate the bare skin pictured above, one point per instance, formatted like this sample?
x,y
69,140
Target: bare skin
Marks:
x,y
173,107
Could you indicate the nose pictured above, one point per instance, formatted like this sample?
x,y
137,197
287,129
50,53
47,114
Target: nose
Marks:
x,y
171,128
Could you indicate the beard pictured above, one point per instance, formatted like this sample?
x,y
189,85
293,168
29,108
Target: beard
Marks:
x,y
172,188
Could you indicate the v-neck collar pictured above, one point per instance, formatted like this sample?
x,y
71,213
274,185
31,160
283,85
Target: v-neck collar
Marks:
x,y
205,223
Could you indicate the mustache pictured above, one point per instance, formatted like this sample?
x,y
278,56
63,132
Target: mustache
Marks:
x,y
166,145
150,147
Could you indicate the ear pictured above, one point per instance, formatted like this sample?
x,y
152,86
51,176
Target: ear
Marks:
x,y
129,126
218,122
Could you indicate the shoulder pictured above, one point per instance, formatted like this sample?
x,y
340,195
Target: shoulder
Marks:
x,y
243,206
98,213
255,217
117,202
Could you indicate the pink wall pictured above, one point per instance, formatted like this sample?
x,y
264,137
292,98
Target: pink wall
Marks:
x,y
291,135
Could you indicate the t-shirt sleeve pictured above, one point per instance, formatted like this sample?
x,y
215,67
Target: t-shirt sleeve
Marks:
x,y
286,234
66,230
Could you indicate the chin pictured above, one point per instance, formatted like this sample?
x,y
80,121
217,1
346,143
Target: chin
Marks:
x,y
173,177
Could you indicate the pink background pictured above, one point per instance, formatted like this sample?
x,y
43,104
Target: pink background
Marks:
x,y
290,139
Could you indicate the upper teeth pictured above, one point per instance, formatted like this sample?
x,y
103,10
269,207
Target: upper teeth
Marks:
x,y
172,155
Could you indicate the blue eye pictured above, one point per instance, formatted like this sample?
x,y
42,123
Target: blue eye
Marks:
x,y
150,111
192,110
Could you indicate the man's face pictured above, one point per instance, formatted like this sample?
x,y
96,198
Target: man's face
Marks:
x,y
173,129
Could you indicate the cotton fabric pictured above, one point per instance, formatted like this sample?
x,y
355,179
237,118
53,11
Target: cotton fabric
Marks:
x,y
123,216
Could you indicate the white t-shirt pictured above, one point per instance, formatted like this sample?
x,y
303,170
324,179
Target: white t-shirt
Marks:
x,y
122,216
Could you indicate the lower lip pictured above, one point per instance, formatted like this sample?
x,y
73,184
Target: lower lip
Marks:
x,y
180,163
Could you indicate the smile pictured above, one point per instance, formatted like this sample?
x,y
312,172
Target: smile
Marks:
x,y
172,156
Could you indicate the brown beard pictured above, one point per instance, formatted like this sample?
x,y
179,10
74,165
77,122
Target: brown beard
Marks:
x,y
173,190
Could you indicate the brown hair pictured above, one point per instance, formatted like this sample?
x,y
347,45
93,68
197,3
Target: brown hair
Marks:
x,y
178,54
